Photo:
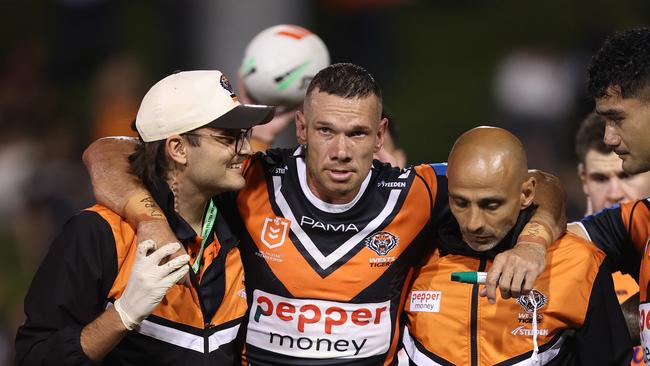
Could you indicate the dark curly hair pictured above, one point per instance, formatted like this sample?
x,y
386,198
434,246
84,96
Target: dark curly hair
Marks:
x,y
590,136
345,80
149,161
623,61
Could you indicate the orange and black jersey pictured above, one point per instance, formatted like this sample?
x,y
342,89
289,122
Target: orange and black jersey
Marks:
x,y
87,268
623,232
579,321
326,282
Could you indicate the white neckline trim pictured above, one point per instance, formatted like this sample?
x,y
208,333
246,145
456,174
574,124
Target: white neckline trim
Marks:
x,y
301,170
325,261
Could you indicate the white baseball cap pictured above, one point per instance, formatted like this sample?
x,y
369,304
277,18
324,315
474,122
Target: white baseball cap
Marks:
x,y
188,100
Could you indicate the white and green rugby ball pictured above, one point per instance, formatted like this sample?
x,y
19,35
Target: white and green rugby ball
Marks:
x,y
280,62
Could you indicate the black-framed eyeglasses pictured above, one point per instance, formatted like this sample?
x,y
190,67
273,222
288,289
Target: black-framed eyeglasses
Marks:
x,y
228,140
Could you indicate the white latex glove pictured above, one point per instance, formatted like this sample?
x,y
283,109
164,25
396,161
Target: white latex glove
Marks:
x,y
149,281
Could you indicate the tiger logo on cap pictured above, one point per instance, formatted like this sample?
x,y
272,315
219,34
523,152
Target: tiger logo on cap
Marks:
x,y
225,83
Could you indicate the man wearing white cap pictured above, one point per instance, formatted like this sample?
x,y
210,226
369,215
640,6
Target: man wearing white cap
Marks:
x,y
100,296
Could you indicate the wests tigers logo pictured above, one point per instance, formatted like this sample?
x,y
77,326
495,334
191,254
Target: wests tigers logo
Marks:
x,y
381,242
532,300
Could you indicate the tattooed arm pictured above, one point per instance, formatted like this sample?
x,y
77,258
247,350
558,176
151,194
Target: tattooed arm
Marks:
x,y
122,192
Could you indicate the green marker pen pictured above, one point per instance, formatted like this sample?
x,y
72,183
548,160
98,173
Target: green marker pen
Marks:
x,y
469,277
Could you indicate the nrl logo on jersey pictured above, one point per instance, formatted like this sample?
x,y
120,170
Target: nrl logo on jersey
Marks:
x,y
532,300
275,231
381,242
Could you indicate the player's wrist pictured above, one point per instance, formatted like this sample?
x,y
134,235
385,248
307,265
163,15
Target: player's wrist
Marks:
x,y
128,321
141,207
536,232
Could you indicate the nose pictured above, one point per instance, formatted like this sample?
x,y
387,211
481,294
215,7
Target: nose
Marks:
x,y
615,191
340,148
475,222
611,137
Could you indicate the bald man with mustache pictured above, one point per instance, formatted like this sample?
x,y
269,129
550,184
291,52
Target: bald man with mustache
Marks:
x,y
570,317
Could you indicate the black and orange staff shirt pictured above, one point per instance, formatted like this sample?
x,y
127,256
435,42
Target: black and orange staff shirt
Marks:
x,y
326,282
578,319
87,269
623,233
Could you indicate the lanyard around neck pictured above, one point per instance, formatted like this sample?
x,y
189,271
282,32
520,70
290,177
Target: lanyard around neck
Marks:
x,y
208,222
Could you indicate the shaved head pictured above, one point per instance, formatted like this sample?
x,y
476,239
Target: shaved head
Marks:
x,y
488,151
488,185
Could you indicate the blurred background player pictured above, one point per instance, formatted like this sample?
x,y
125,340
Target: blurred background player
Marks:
x,y
601,173
605,183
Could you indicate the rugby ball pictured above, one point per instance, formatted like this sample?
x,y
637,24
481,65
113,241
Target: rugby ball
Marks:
x,y
279,63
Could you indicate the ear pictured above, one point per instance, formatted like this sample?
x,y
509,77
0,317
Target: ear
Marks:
x,y
176,148
582,173
381,133
528,192
301,128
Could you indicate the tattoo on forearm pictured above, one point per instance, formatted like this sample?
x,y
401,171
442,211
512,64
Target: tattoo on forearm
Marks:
x,y
533,229
152,206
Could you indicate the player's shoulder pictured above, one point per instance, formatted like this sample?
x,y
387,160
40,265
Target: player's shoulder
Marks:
x,y
575,251
388,176
278,156
640,209
431,174
96,215
101,219
437,169
87,230
434,177
273,161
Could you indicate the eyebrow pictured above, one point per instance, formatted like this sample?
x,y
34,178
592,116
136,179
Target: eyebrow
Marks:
x,y
612,112
598,175
360,128
482,201
354,127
